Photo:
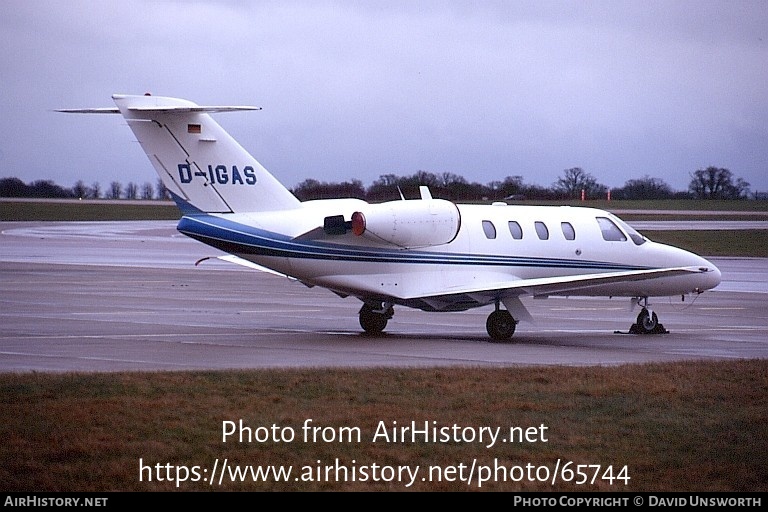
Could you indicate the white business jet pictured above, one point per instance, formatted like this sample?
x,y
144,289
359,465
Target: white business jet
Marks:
x,y
425,253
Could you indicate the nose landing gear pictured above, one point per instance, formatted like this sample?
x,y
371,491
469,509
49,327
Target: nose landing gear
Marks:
x,y
647,321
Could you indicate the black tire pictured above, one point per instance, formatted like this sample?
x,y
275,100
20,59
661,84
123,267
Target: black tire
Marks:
x,y
647,322
372,322
500,325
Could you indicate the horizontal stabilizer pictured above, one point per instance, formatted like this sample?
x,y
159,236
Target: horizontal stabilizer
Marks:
x,y
192,110
174,109
106,110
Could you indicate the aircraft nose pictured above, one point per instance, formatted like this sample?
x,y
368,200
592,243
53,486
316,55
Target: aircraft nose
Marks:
x,y
710,276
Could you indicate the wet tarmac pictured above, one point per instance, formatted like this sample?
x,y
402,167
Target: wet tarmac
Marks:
x,y
113,296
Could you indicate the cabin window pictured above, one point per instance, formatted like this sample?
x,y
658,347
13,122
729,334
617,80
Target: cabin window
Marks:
x,y
515,230
610,231
568,231
541,230
489,229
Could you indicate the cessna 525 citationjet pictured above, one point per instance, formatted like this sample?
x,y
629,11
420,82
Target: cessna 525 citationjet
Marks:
x,y
425,253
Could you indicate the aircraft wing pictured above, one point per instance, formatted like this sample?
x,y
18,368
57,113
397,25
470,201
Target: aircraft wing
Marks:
x,y
561,285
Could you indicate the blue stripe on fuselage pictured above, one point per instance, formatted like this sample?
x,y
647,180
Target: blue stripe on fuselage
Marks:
x,y
238,238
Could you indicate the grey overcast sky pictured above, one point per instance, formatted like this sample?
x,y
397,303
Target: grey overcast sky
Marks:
x,y
358,89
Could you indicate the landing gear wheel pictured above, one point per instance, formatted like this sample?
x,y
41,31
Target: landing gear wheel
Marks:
x,y
647,323
373,321
500,325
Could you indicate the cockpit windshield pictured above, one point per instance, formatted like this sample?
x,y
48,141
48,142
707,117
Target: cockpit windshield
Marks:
x,y
614,229
636,237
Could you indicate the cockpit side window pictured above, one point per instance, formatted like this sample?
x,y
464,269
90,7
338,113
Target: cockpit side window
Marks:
x,y
610,231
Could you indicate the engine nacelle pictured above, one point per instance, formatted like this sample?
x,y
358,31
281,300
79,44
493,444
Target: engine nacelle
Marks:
x,y
408,223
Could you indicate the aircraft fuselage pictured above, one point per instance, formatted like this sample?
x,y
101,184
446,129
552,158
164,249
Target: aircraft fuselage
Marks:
x,y
494,244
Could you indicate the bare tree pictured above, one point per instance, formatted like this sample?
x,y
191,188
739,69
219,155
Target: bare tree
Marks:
x,y
312,189
95,190
147,192
717,183
162,191
387,180
574,180
644,188
13,187
446,179
510,188
131,190
80,190
115,190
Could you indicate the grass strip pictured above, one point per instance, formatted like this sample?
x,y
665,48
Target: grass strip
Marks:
x,y
739,243
685,426
86,211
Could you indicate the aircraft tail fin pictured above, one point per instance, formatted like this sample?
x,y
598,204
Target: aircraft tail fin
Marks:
x,y
200,164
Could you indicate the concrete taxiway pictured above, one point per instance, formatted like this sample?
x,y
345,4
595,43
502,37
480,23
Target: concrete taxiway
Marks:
x,y
113,296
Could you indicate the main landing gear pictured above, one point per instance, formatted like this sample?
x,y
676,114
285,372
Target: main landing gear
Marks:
x,y
373,318
647,321
500,324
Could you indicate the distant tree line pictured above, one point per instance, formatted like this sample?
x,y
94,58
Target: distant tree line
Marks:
x,y
709,183
14,187
574,183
